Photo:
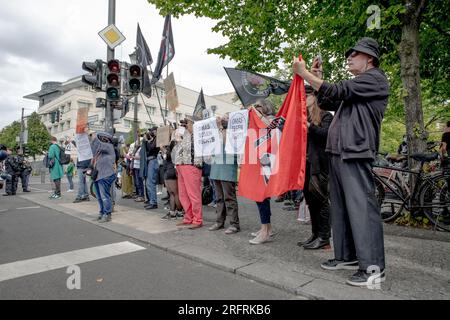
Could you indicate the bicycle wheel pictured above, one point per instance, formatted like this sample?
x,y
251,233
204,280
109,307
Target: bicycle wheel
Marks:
x,y
388,195
435,198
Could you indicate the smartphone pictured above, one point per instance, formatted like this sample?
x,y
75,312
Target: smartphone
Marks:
x,y
319,58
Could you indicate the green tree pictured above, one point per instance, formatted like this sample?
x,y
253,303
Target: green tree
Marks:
x,y
9,134
38,135
413,35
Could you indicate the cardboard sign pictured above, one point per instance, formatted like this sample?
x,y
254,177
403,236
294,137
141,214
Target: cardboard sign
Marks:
x,y
171,92
163,135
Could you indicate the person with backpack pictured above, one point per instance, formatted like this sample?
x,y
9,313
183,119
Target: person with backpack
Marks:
x,y
56,168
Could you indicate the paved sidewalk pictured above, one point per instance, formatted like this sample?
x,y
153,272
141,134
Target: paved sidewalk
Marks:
x,y
418,261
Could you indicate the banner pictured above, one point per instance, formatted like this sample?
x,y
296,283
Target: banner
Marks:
x,y
199,107
275,154
236,132
163,135
171,92
144,59
82,120
166,50
251,86
207,140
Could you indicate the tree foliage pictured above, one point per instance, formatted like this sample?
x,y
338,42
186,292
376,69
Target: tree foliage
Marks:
x,y
262,34
38,136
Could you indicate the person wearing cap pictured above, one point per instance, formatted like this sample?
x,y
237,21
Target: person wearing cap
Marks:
x,y
104,161
353,141
189,170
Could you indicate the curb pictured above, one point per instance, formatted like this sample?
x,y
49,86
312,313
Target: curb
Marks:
x,y
295,283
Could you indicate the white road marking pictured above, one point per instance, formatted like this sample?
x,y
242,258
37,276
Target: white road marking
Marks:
x,y
24,268
3,210
24,208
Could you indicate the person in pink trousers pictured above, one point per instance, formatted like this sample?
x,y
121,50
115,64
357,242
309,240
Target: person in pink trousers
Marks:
x,y
189,171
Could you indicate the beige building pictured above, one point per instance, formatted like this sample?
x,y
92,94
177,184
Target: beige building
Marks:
x,y
67,97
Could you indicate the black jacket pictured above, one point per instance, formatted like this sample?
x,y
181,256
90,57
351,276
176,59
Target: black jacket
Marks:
x,y
359,104
317,141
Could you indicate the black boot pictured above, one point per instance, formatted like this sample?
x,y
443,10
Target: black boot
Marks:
x,y
317,244
310,239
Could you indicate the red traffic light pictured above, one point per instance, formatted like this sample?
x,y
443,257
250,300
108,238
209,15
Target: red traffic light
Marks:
x,y
135,71
113,79
114,66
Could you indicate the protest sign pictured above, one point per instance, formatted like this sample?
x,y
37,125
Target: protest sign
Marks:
x,y
163,135
236,132
207,140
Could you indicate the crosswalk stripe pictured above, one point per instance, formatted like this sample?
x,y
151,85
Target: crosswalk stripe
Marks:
x,y
23,208
23,268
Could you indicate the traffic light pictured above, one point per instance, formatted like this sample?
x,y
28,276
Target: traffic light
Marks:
x,y
113,80
26,150
60,116
95,78
135,78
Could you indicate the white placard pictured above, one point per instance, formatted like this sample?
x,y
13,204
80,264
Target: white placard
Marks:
x,y
207,140
236,132
83,147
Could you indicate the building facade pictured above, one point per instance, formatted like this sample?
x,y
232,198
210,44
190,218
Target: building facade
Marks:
x,y
64,99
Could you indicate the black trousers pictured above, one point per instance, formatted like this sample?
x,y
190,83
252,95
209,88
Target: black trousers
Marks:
x,y
11,184
316,197
355,213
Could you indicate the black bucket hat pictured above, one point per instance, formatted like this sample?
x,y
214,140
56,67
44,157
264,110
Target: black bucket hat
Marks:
x,y
366,45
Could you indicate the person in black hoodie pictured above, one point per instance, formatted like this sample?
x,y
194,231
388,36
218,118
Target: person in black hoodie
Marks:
x,y
353,141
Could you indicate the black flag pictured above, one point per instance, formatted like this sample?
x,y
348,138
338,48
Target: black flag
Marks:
x,y
144,59
251,86
199,107
166,50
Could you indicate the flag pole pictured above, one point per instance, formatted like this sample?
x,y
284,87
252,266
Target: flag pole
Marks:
x,y
159,101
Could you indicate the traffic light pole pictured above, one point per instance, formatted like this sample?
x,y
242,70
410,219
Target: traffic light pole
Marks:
x,y
109,117
22,128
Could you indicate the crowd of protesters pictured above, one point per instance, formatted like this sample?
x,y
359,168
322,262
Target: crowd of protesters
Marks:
x,y
339,186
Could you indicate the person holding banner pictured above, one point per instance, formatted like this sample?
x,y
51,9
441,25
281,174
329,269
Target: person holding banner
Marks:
x,y
353,141
266,109
224,176
189,169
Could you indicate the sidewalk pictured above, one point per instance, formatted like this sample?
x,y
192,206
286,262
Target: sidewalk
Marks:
x,y
418,261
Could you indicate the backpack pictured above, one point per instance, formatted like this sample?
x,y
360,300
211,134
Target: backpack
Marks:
x,y
63,157
47,162
207,195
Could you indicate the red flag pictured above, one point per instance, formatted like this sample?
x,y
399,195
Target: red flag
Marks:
x,y
275,154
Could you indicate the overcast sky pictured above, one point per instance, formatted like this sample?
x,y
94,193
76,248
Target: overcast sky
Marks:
x,y
47,40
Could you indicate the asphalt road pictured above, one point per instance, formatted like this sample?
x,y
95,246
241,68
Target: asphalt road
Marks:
x,y
28,231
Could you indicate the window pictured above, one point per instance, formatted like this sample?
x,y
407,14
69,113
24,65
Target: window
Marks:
x,y
61,127
62,108
69,106
151,110
68,124
127,123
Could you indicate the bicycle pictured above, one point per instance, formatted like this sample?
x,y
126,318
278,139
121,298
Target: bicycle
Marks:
x,y
430,194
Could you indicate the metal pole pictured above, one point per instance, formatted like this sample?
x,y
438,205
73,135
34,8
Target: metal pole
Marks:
x,y
136,134
22,125
109,116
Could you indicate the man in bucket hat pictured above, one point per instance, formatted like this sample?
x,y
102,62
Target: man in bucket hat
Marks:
x,y
353,140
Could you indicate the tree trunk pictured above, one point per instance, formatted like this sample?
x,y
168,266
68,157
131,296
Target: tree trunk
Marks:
x,y
409,63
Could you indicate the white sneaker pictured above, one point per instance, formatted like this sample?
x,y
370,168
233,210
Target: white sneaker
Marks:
x,y
70,190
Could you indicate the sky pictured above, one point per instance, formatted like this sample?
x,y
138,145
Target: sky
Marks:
x,y
47,40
